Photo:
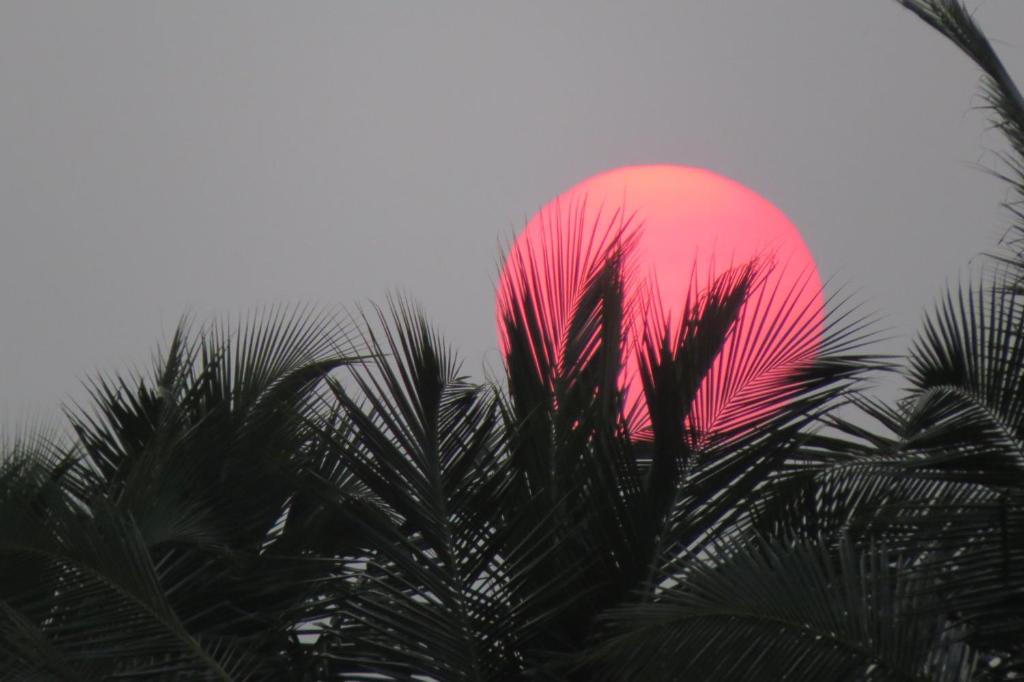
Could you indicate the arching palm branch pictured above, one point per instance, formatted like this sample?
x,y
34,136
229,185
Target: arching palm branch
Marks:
x,y
149,548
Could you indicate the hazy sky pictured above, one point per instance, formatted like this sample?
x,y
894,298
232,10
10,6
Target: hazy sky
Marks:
x,y
160,158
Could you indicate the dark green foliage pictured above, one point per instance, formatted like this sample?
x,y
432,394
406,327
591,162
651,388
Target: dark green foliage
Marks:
x,y
308,498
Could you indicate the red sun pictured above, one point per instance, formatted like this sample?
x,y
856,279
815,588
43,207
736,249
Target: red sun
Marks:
x,y
690,226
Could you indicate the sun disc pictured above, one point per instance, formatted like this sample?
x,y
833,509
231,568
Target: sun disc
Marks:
x,y
691,226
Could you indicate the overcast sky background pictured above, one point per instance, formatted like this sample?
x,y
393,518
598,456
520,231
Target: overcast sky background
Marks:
x,y
209,157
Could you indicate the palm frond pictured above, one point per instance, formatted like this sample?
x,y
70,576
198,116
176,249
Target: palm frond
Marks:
x,y
196,468
774,611
81,581
433,586
953,20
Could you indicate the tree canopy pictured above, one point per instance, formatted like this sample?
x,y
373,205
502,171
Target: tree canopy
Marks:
x,y
302,495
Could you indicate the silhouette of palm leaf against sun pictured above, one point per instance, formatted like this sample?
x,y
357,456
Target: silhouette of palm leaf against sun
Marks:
x,y
687,241
649,494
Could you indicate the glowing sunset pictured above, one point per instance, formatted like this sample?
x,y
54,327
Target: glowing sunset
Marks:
x,y
690,227
754,410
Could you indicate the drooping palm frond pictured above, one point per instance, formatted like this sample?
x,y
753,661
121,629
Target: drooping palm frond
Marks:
x,y
169,505
953,20
80,588
960,539
964,415
779,611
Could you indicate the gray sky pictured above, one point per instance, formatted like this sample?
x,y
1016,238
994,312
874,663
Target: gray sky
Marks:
x,y
159,158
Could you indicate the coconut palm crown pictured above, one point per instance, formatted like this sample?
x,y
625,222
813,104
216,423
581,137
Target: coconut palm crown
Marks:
x,y
301,495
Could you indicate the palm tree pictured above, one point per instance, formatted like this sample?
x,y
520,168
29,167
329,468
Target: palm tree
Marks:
x,y
307,496
156,542
895,554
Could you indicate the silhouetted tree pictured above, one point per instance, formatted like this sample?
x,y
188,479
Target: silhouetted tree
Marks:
x,y
306,496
